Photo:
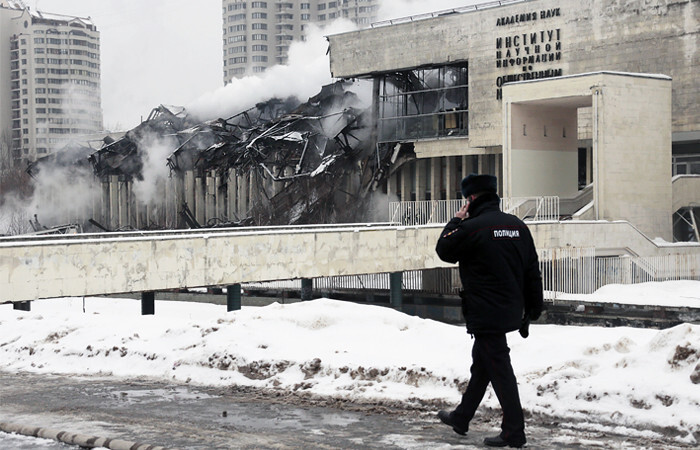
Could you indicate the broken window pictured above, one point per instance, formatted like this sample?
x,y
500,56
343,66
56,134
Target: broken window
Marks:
x,y
424,103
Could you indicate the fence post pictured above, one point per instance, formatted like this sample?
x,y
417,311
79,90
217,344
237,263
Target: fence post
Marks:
x,y
22,306
148,303
307,287
395,293
233,297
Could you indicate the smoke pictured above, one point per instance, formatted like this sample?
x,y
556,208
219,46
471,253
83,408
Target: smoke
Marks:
x,y
307,70
61,196
155,151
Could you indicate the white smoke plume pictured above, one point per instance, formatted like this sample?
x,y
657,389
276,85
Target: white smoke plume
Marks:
x,y
307,70
61,196
155,151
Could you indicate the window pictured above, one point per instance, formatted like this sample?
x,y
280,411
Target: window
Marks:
x,y
259,15
259,58
238,60
234,28
321,6
305,6
237,71
427,103
259,37
259,5
236,17
332,4
260,26
332,15
258,69
238,38
321,17
239,49
259,48
306,17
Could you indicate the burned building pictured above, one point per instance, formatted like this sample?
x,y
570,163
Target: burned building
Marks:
x,y
279,162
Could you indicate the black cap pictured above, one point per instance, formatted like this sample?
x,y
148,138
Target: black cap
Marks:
x,y
473,184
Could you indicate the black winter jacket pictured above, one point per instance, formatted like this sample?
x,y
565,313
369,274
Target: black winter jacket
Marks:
x,y
497,265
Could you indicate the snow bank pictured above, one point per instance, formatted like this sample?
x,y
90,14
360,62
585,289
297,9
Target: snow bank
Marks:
x,y
614,377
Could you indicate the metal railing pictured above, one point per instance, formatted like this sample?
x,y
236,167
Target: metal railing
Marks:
x,y
441,211
568,270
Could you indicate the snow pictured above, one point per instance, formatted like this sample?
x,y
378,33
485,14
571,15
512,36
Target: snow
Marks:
x,y
634,381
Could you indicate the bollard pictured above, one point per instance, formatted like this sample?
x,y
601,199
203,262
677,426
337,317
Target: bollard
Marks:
x,y
22,306
395,294
233,297
148,303
307,287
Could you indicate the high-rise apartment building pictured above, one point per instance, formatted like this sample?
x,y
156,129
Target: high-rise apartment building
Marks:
x,y
257,34
49,81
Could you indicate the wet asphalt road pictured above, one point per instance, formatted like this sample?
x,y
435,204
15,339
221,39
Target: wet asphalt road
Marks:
x,y
192,417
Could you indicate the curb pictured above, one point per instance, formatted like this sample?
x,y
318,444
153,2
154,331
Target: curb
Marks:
x,y
81,440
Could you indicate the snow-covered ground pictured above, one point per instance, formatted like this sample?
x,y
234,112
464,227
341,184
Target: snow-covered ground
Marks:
x,y
623,379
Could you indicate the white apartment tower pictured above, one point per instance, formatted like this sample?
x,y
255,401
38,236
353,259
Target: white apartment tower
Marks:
x,y
49,81
257,34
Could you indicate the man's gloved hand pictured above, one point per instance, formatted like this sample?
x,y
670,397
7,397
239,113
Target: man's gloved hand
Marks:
x,y
525,327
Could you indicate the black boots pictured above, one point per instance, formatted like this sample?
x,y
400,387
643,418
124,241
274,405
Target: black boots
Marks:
x,y
448,419
498,441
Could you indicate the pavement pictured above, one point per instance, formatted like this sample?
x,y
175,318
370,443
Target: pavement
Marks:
x,y
173,415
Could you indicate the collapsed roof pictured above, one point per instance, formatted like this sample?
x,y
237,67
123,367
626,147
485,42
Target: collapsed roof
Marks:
x,y
302,155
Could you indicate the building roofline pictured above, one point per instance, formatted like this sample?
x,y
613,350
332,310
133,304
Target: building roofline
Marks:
x,y
656,76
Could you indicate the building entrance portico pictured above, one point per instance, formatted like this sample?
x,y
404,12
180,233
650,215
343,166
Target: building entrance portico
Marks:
x,y
631,142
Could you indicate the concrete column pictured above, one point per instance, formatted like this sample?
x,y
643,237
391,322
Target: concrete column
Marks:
x,y
589,165
189,190
220,197
124,203
392,187
210,197
451,183
435,178
243,184
179,198
253,193
199,210
104,216
406,182
231,194
482,165
113,202
395,290
148,303
421,181
233,297
498,170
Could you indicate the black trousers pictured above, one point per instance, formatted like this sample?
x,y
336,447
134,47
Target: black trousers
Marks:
x,y
491,364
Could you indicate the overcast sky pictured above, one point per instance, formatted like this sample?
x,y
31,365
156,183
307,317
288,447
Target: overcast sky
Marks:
x,y
169,51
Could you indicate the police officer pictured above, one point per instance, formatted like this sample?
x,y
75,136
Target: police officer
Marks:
x,y
502,291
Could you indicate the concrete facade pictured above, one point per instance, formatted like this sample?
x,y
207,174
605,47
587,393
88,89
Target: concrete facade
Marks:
x,y
49,81
535,39
643,131
79,265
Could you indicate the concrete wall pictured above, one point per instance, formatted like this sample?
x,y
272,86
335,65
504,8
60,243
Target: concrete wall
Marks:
x,y
46,267
543,155
651,36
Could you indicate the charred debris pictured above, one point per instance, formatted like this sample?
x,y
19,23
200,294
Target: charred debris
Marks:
x,y
314,162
